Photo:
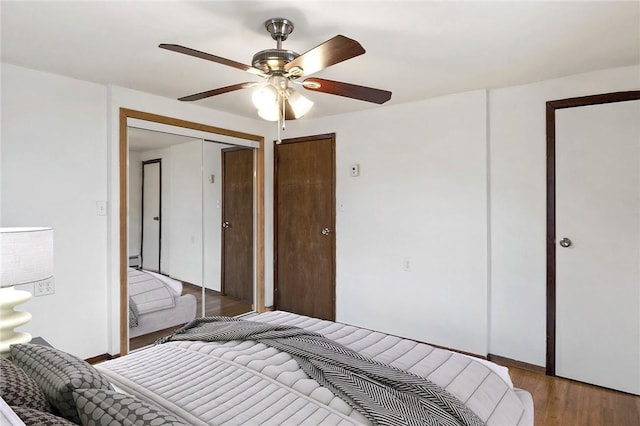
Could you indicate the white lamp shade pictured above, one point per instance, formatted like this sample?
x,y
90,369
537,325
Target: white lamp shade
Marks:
x,y
299,104
26,255
269,114
266,97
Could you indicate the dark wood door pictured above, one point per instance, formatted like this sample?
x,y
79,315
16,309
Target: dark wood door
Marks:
x,y
304,234
237,223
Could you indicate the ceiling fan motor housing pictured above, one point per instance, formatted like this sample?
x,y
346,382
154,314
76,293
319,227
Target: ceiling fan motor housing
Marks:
x,y
272,61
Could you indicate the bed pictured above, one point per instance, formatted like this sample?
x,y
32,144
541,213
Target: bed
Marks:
x,y
239,381
247,382
156,303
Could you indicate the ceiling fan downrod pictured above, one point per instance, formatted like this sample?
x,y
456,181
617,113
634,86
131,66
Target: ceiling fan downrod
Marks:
x,y
273,61
279,28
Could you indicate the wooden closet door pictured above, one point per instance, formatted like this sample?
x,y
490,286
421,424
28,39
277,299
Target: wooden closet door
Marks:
x,y
304,233
237,223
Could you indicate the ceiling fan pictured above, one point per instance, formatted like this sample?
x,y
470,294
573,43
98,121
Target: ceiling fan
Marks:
x,y
283,69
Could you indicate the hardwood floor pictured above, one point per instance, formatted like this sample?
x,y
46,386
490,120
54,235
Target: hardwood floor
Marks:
x,y
215,304
562,402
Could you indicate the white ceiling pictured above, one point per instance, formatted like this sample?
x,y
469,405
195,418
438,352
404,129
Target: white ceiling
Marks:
x,y
416,49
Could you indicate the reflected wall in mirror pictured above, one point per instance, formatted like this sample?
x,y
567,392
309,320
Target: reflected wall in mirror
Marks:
x,y
176,241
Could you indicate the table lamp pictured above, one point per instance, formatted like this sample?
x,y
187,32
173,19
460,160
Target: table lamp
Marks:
x,y
26,257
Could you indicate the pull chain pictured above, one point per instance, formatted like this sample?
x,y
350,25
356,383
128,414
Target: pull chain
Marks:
x,y
281,117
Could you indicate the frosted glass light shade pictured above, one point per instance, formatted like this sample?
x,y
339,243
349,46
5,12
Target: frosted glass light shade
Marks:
x,y
269,114
266,97
26,257
299,104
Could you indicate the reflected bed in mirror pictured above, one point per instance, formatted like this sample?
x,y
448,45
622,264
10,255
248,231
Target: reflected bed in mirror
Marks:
x,y
191,231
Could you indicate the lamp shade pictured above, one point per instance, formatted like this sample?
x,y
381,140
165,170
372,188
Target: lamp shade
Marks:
x,y
266,97
299,104
26,255
269,114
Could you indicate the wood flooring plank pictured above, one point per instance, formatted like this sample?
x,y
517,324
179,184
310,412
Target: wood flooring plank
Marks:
x,y
563,402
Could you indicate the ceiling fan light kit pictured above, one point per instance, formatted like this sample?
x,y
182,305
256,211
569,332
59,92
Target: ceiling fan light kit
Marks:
x,y
275,99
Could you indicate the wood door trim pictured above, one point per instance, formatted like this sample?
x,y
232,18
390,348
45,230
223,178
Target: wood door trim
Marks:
x,y
309,139
123,156
144,163
551,108
325,136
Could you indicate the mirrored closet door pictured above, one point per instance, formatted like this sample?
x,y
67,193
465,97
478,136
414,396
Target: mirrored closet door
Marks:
x,y
191,228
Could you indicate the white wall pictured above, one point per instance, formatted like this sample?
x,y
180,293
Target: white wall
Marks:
x,y
185,227
135,203
59,157
190,203
383,214
518,205
54,169
422,195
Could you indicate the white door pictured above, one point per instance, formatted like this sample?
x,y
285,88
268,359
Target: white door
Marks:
x,y
598,274
151,216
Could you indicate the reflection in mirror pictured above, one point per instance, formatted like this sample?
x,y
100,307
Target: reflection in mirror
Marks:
x,y
228,216
181,192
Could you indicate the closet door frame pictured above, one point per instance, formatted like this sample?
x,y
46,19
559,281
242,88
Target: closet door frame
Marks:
x,y
123,161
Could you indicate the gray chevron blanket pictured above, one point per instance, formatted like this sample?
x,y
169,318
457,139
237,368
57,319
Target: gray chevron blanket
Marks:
x,y
384,394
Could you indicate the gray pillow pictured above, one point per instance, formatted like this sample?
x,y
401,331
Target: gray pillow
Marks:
x,y
58,373
18,389
103,407
32,417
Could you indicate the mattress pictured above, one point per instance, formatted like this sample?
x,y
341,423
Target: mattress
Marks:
x,y
174,285
147,293
250,383
183,312
158,303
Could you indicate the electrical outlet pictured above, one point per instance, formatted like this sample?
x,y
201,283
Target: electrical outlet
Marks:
x,y
44,287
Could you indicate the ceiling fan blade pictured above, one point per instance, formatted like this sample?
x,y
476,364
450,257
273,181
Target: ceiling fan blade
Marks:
x,y
347,90
210,57
219,91
331,52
